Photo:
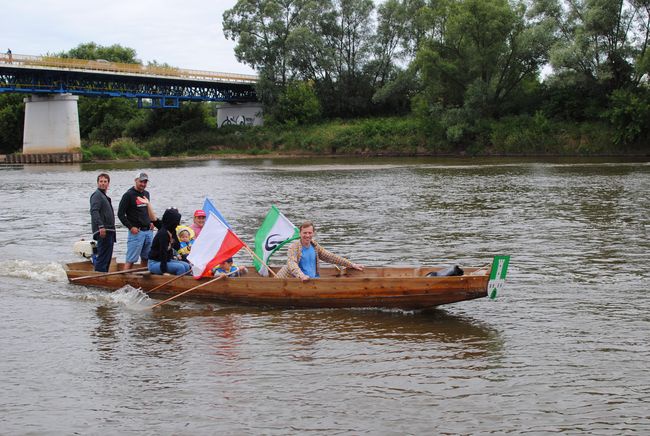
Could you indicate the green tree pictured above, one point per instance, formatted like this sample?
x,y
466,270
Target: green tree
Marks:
x,y
599,40
629,113
333,48
103,119
326,42
399,33
93,51
12,114
600,62
486,52
261,29
298,105
188,118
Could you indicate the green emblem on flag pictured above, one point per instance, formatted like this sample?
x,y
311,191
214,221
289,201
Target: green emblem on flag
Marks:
x,y
498,275
275,232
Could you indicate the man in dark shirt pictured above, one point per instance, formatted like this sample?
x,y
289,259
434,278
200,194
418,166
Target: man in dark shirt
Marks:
x,y
102,220
134,214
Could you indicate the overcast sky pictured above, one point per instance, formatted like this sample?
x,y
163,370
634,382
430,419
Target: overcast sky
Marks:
x,y
185,34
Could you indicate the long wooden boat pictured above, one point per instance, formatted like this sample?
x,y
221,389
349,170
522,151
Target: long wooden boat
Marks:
x,y
404,288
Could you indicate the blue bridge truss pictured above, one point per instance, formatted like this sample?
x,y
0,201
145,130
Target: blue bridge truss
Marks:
x,y
151,91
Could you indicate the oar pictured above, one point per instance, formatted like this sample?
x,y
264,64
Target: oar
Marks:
x,y
169,281
124,271
191,289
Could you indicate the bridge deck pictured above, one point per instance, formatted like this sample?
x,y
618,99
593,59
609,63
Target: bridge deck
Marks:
x,y
164,86
66,64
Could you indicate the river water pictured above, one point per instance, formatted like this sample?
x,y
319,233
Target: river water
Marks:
x,y
564,348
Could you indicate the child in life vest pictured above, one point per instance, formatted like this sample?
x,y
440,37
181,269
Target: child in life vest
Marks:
x,y
186,238
227,268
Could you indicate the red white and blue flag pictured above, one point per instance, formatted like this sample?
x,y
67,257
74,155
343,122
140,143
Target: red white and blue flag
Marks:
x,y
208,206
216,243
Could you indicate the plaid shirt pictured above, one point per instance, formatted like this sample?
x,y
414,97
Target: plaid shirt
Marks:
x,y
292,268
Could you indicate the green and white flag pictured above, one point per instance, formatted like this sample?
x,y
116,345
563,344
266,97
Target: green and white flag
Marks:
x,y
275,232
498,275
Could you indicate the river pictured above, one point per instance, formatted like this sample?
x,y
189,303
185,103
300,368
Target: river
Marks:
x,y
563,349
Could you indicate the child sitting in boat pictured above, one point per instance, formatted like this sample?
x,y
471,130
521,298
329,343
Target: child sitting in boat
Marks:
x,y
228,269
186,239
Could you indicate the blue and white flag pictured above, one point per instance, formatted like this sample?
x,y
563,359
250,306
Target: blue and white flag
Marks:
x,y
209,207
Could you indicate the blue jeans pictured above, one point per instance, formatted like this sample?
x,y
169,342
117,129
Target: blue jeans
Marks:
x,y
104,252
138,245
175,267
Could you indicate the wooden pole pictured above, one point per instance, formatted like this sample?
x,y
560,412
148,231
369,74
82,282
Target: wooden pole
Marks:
x,y
255,256
124,271
169,281
191,289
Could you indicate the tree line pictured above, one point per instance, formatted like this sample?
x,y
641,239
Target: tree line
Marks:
x,y
518,76
457,65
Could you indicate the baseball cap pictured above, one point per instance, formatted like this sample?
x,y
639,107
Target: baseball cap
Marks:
x,y
199,212
141,176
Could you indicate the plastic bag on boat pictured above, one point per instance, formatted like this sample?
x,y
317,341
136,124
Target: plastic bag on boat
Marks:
x,y
451,271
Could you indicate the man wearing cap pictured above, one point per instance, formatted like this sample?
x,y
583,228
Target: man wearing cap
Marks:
x,y
134,214
199,222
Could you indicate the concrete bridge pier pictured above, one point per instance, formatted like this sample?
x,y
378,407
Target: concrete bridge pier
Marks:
x,y
242,114
51,124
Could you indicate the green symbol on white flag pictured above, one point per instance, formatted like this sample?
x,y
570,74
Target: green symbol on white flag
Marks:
x,y
498,275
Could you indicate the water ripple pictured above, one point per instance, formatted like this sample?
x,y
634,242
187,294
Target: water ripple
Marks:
x,y
563,348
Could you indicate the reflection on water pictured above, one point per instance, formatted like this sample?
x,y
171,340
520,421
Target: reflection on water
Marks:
x,y
370,324
156,336
563,349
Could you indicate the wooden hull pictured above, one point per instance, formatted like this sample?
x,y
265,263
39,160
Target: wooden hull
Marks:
x,y
375,287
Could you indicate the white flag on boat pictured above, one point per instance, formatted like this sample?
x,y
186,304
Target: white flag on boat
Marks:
x,y
275,232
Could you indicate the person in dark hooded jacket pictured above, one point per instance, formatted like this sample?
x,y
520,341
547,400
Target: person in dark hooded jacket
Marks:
x,y
161,256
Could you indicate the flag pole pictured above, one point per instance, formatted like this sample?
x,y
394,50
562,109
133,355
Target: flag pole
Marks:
x,y
255,256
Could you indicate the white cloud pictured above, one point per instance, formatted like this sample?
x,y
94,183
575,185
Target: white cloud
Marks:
x,y
184,34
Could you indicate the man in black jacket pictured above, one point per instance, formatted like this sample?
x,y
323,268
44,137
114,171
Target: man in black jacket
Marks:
x,y
134,214
102,220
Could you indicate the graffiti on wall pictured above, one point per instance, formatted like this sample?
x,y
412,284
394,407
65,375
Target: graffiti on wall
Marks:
x,y
239,120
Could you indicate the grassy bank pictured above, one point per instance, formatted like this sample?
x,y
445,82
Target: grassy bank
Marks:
x,y
512,136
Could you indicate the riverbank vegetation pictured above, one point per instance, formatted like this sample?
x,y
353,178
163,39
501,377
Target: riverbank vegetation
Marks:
x,y
459,77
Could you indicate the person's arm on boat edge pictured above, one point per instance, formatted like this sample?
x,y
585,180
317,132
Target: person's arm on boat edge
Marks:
x,y
329,257
307,244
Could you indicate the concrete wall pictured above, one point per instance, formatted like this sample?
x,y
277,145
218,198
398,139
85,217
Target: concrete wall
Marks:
x,y
51,124
249,114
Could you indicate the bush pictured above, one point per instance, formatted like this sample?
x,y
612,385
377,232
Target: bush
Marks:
x,y
523,134
97,152
629,114
298,104
126,148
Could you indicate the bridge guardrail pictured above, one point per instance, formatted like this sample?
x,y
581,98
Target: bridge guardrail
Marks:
x,y
122,68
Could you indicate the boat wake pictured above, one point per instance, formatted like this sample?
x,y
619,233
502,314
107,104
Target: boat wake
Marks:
x,y
40,271
131,298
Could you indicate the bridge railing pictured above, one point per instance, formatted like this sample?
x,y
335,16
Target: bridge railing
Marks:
x,y
121,68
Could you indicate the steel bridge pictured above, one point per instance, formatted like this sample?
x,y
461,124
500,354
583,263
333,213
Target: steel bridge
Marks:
x,y
153,86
